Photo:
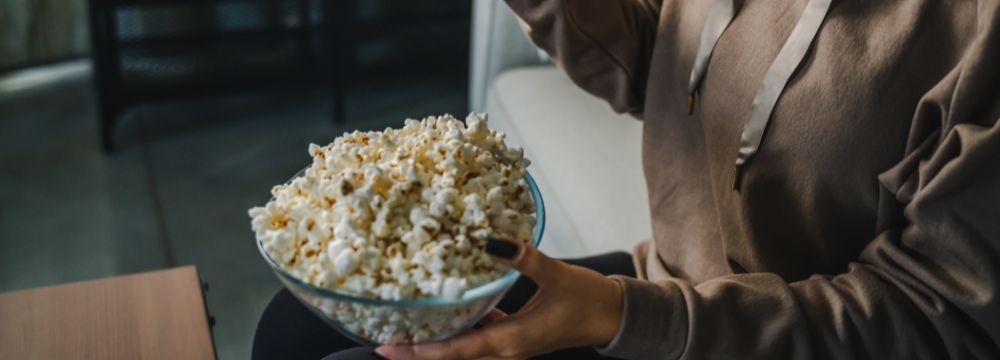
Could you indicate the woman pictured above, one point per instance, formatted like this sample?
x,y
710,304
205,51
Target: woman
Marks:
x,y
824,182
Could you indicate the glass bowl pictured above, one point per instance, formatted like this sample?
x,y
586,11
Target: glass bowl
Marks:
x,y
375,321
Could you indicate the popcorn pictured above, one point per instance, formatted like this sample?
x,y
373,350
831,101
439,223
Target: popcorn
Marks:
x,y
399,214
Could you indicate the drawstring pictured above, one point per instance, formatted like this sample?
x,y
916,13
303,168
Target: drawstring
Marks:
x,y
777,77
780,71
719,17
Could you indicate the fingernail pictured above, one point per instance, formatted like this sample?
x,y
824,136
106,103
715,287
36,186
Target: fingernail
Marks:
x,y
379,354
502,248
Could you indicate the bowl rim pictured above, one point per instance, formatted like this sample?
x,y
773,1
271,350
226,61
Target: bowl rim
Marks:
x,y
476,293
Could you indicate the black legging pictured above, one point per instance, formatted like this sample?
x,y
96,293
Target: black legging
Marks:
x,y
288,330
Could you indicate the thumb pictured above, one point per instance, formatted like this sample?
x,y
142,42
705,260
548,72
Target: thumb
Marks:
x,y
526,259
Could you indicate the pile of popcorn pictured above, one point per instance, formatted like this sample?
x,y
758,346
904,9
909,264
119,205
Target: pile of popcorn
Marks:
x,y
385,324
402,213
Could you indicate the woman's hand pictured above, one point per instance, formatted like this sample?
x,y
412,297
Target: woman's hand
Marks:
x,y
573,307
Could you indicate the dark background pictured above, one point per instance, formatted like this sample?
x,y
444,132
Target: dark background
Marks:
x,y
143,148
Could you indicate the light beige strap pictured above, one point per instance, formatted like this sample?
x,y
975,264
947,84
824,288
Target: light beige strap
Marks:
x,y
777,77
719,17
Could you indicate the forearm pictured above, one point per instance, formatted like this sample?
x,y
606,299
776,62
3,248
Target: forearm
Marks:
x,y
759,316
926,288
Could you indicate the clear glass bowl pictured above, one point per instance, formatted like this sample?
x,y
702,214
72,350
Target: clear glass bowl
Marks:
x,y
375,321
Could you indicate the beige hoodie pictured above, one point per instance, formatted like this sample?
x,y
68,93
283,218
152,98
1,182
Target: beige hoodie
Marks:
x,y
868,223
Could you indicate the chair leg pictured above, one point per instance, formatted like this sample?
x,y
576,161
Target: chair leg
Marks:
x,y
107,69
108,114
339,113
340,47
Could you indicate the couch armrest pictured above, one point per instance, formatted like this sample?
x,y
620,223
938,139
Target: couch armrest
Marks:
x,y
585,158
498,44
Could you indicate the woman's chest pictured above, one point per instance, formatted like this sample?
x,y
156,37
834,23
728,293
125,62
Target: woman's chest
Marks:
x,y
842,118
844,112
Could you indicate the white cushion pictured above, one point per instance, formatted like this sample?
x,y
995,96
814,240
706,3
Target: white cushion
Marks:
x,y
498,44
585,158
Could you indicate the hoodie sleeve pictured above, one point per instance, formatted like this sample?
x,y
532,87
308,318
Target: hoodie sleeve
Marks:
x,y
603,45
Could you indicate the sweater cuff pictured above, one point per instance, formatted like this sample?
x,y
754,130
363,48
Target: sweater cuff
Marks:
x,y
654,321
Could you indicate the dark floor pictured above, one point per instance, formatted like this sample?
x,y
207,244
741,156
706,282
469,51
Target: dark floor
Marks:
x,y
177,192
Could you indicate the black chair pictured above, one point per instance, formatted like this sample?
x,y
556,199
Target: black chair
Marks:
x,y
146,50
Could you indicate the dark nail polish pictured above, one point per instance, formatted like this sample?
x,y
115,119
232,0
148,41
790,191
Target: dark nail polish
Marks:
x,y
502,248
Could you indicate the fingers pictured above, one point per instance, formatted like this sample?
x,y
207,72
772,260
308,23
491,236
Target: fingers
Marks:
x,y
497,340
494,315
530,304
504,336
471,345
396,352
526,259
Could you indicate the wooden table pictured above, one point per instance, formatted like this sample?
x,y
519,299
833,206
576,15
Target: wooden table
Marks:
x,y
154,315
